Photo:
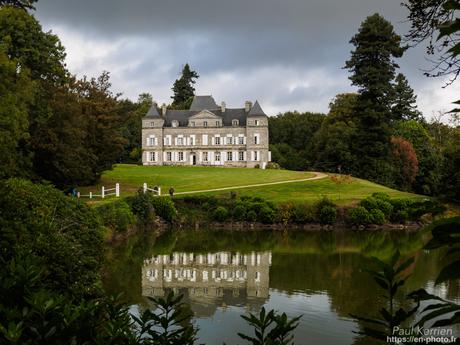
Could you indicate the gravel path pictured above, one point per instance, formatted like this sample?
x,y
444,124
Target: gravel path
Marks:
x,y
318,176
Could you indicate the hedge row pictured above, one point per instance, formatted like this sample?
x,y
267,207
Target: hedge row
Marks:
x,y
139,209
380,208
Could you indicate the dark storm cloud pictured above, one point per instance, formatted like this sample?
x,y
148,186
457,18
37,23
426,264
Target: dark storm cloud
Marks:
x,y
224,38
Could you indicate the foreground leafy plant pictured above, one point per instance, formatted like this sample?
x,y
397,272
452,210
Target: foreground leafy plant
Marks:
x,y
270,328
389,277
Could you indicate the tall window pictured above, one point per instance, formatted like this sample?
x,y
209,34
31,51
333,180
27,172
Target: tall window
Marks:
x,y
152,156
217,156
256,139
256,155
217,140
241,156
181,156
151,141
168,156
230,156
229,140
205,156
205,123
180,141
241,140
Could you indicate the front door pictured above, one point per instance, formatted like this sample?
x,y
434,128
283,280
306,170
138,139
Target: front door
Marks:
x,y
193,159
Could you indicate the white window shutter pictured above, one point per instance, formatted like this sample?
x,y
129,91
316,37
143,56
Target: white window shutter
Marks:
x,y
252,155
244,140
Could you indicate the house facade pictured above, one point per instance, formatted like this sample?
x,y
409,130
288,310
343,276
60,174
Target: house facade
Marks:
x,y
206,135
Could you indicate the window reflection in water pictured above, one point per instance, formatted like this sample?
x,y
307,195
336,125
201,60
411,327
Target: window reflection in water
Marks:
x,y
206,277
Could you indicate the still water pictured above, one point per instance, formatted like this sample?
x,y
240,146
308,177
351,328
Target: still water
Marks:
x,y
223,274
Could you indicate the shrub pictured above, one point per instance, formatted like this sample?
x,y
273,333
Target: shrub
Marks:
x,y
273,165
381,196
251,216
377,216
303,213
385,207
239,212
63,232
369,203
324,201
284,213
220,214
359,216
116,215
257,166
266,214
141,205
328,215
164,207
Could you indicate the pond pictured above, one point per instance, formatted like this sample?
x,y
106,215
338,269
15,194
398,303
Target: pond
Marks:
x,y
223,274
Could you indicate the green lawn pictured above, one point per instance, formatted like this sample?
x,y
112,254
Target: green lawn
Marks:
x,y
185,179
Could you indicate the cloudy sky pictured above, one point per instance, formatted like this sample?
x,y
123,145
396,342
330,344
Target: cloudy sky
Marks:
x,y
288,54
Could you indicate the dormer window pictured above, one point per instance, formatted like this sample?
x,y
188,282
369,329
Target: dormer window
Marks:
x,y
175,123
256,122
192,124
235,123
217,124
152,124
205,123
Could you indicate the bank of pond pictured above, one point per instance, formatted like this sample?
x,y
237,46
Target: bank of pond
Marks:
x,y
377,211
59,273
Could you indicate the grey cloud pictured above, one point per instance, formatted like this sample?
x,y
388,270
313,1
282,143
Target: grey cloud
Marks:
x,y
220,36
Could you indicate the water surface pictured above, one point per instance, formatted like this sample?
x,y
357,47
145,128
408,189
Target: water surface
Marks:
x,y
223,274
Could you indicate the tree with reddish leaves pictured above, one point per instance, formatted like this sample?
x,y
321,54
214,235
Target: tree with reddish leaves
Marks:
x,y
405,162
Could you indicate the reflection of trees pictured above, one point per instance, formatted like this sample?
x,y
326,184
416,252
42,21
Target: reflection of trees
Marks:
x,y
318,262
350,288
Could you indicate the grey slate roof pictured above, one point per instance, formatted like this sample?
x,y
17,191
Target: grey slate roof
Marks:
x,y
182,116
256,110
153,112
203,102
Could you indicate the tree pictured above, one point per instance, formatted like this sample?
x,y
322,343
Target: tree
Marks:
x,y
183,88
16,90
404,106
405,162
437,22
22,4
372,69
333,142
428,153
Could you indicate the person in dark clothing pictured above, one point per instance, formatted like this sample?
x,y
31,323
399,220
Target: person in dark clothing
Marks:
x,y
171,191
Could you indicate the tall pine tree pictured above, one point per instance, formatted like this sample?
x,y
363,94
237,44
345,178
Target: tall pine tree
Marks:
x,y
404,107
372,69
183,88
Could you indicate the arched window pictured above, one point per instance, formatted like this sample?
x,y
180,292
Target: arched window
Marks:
x,y
175,123
235,122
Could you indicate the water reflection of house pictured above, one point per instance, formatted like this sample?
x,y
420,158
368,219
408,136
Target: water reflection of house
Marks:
x,y
207,278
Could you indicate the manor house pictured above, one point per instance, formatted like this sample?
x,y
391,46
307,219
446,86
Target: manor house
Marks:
x,y
206,135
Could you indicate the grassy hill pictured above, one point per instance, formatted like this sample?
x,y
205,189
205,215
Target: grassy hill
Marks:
x,y
343,190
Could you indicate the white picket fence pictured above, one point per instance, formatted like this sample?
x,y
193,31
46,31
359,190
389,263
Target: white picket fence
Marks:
x,y
156,190
105,192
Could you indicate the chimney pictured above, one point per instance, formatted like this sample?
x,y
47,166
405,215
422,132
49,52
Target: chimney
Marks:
x,y
247,106
222,107
163,110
